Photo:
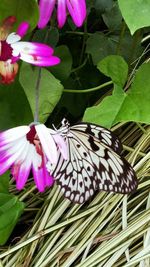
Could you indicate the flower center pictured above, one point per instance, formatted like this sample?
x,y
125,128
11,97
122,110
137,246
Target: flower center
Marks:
x,y
33,139
31,135
5,51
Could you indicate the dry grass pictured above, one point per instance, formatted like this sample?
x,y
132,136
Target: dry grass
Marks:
x,y
110,230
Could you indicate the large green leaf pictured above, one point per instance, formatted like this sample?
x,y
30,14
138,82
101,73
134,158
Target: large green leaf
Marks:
x,y
136,13
113,18
62,71
14,107
114,67
50,89
131,106
4,182
99,46
49,36
103,5
23,10
10,210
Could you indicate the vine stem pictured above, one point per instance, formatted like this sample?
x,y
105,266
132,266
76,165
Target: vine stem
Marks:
x,y
37,92
88,90
37,87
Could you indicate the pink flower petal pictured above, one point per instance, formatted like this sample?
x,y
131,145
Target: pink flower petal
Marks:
x,y
8,157
8,72
83,8
62,145
46,9
13,134
47,143
20,173
14,59
13,38
49,180
5,165
77,10
6,26
61,13
41,61
37,172
41,177
21,154
21,168
22,29
34,49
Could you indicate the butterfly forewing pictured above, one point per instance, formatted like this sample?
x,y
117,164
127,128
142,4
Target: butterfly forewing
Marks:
x,y
102,134
92,165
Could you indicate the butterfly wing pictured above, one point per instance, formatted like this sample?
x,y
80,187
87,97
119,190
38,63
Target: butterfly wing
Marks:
x,y
91,166
102,134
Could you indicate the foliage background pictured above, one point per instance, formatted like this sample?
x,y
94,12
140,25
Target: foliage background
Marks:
x,y
103,78
81,74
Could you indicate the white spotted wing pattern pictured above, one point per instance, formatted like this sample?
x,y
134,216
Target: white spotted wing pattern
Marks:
x,y
93,164
102,134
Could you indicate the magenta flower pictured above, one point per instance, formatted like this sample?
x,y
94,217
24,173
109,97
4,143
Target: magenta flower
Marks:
x,y
76,8
12,49
29,148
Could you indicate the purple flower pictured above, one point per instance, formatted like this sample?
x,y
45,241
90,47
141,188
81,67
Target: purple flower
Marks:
x,y
28,148
76,8
12,49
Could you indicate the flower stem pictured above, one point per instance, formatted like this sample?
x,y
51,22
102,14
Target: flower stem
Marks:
x,y
37,90
85,36
88,90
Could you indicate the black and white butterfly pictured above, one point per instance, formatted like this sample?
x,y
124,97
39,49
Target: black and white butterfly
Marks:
x,y
94,163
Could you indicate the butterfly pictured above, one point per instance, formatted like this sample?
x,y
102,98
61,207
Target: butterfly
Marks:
x,y
94,163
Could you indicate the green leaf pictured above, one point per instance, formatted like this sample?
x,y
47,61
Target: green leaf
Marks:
x,y
113,18
136,13
114,67
50,89
62,71
103,5
14,107
131,106
23,10
4,182
10,211
100,46
46,35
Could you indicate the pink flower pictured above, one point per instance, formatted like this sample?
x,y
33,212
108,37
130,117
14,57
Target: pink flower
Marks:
x,y
12,49
76,8
29,148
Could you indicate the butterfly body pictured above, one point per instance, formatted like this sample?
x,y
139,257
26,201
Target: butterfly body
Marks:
x,y
94,163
